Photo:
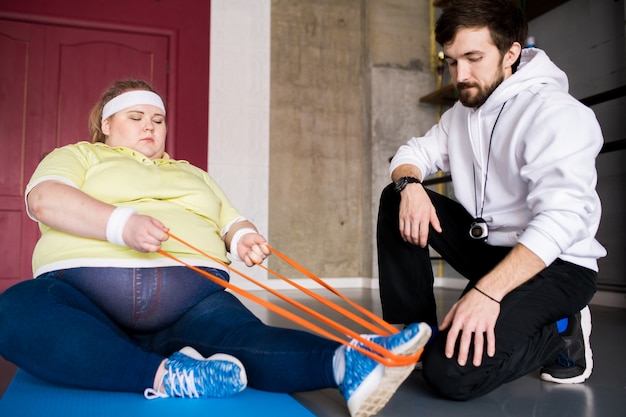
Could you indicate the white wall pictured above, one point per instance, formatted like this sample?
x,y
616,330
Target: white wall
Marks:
x,y
239,109
240,84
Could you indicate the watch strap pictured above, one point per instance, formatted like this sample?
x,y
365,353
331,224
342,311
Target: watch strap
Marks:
x,y
404,181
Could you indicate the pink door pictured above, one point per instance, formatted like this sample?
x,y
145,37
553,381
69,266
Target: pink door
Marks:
x,y
50,78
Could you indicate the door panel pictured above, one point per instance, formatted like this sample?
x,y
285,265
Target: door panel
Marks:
x,y
50,78
82,63
21,49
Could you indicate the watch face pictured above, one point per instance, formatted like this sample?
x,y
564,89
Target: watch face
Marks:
x,y
401,184
404,181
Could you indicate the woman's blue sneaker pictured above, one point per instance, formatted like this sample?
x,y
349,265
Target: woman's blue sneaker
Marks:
x,y
189,375
368,385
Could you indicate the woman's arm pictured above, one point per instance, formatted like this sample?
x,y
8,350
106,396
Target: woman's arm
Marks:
x,y
70,210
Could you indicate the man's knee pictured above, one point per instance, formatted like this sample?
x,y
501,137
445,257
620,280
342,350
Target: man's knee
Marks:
x,y
441,374
453,381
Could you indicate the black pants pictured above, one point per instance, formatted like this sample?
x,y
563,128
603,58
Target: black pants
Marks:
x,y
526,334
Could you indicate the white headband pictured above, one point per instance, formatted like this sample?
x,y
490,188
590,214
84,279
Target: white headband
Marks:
x,y
129,99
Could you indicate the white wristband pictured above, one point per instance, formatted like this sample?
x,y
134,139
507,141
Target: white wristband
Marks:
x,y
117,222
234,242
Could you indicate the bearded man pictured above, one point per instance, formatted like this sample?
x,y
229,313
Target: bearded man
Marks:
x,y
521,152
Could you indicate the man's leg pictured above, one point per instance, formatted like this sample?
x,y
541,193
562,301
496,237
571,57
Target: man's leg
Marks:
x,y
405,270
526,333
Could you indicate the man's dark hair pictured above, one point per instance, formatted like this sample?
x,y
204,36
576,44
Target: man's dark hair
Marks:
x,y
505,20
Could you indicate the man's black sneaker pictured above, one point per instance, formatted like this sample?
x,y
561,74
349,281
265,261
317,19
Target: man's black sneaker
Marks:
x,y
575,363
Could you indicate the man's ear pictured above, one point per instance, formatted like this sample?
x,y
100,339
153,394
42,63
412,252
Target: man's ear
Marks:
x,y
512,54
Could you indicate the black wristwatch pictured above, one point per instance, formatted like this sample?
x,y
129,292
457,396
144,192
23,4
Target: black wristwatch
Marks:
x,y
404,181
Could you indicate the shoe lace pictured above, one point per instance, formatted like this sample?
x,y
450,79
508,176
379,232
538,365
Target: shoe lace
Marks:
x,y
182,383
151,394
395,341
565,361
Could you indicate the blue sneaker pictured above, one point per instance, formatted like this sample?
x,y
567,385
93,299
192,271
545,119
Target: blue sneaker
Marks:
x,y
368,385
189,375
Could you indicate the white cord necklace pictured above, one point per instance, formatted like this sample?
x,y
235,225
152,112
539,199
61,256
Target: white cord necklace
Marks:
x,y
478,228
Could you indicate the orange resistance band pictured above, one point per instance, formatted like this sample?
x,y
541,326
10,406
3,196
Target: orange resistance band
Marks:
x,y
371,350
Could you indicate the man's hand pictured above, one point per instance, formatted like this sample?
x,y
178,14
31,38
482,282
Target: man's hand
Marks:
x,y
473,317
417,213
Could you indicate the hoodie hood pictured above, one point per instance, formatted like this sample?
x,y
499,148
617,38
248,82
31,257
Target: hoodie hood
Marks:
x,y
535,69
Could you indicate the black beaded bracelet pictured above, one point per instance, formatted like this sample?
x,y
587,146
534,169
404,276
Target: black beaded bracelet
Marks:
x,y
486,295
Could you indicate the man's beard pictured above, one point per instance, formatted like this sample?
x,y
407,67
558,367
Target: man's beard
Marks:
x,y
483,92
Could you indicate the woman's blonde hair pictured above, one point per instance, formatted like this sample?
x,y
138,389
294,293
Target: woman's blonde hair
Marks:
x,y
117,88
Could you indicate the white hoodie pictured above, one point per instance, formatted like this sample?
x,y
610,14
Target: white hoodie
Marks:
x,y
540,185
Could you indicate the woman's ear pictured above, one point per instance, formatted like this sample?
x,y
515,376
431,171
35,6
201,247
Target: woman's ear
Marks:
x,y
106,127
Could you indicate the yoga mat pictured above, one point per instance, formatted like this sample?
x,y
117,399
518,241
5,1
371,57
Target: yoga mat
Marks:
x,y
28,396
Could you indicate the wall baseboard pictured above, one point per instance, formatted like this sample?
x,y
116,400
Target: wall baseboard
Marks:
x,y
601,298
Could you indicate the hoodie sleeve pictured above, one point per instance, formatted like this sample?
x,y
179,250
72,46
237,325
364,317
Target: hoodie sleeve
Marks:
x,y
429,152
559,154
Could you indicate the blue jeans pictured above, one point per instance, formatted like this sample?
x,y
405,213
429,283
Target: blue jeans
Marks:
x,y
110,328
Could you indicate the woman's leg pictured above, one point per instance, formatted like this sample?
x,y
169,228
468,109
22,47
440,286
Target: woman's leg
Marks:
x,y
275,359
54,332
285,360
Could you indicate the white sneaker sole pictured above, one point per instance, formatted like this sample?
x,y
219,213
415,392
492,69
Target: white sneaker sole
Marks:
x,y
370,397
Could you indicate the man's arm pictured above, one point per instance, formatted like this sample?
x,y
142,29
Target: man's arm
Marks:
x,y
519,266
475,314
406,170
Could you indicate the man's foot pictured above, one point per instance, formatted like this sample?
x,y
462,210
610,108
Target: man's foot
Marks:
x,y
575,363
369,385
189,375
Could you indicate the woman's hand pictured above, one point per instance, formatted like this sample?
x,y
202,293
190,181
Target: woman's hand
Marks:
x,y
253,248
144,233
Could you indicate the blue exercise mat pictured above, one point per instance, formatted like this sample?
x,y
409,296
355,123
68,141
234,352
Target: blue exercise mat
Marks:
x,y
28,396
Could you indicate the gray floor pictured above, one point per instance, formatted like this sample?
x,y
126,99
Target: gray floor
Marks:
x,y
603,395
